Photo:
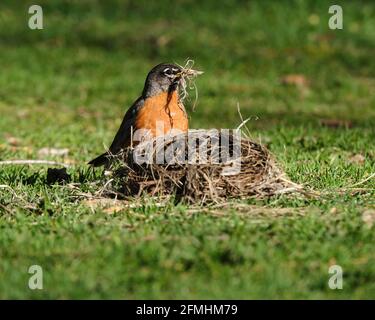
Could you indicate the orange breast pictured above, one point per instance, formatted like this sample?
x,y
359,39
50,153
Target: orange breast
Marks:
x,y
160,114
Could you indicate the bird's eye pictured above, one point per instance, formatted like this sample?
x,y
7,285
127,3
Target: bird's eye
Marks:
x,y
167,71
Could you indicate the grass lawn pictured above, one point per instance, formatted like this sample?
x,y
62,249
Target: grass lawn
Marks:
x,y
68,86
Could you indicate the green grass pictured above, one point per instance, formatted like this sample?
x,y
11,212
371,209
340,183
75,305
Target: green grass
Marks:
x,y
69,85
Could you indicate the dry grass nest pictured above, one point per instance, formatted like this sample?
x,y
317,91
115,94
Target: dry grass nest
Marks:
x,y
229,167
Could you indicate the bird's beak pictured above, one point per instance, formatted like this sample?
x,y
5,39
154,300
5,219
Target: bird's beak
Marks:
x,y
177,77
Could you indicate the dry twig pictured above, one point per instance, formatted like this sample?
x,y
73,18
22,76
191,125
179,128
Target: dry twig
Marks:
x,y
33,162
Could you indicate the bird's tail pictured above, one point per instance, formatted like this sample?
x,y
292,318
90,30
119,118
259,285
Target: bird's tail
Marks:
x,y
102,160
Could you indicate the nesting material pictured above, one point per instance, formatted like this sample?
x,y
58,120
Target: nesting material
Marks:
x,y
187,81
200,167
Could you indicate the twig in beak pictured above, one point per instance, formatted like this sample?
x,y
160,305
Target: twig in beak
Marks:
x,y
187,80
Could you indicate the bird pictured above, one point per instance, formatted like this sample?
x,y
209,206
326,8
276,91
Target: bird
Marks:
x,y
159,105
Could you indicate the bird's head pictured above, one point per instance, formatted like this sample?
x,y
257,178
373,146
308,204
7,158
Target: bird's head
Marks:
x,y
166,77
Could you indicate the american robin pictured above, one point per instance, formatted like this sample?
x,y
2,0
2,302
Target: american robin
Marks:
x,y
159,104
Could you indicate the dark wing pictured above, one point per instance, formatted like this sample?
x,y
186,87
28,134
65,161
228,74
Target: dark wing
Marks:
x,y
122,137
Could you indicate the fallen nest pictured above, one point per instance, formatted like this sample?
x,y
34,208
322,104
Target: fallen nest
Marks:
x,y
199,167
